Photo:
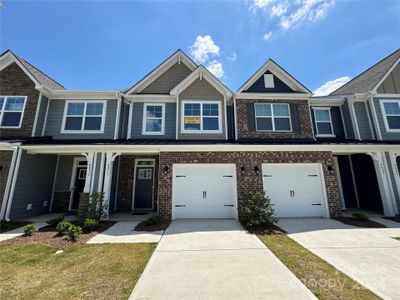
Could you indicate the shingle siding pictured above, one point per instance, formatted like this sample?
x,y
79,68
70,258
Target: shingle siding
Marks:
x,y
34,185
55,118
170,122
391,85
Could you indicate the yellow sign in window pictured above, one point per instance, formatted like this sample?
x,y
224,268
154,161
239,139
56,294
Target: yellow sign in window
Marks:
x,y
192,120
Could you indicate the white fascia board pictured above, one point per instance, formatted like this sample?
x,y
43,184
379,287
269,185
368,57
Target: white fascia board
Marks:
x,y
85,95
386,96
202,73
335,148
326,101
178,57
272,96
150,98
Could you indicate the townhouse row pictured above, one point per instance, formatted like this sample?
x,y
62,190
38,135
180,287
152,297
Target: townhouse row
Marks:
x,y
181,143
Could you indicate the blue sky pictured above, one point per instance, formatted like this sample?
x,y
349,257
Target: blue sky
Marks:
x,y
111,45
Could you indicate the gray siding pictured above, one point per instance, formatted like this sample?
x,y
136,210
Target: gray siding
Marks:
x,y
391,85
394,136
64,173
362,121
41,116
347,121
33,186
394,173
55,116
137,122
124,121
337,123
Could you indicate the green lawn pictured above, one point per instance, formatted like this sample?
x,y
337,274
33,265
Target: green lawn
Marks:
x,y
108,271
321,278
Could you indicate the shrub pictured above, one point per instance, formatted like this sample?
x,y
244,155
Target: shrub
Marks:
x,y
257,211
97,208
74,232
3,224
63,226
30,229
54,221
89,225
359,216
152,221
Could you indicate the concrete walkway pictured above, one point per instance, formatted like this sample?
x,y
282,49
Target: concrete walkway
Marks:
x,y
370,256
215,259
18,231
123,232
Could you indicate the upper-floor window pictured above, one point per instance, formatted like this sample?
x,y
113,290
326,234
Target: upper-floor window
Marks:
x,y
11,111
153,119
323,121
272,117
391,114
84,116
201,116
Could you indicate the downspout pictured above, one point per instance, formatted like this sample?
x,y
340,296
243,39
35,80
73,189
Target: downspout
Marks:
x,y
14,181
38,106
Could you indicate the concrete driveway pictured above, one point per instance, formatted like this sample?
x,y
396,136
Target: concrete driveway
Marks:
x,y
215,259
370,256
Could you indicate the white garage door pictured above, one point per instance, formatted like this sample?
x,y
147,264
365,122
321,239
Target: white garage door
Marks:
x,y
204,191
295,189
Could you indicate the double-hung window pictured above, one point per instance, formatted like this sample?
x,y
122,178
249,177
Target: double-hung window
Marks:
x,y
391,114
323,121
204,116
272,117
84,116
153,119
11,111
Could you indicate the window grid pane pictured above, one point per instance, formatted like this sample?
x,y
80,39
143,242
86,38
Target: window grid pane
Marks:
x,y
75,109
208,114
153,118
94,109
263,110
392,108
14,104
272,117
84,116
11,109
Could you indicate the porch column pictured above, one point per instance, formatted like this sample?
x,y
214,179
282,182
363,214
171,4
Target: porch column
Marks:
x,y
383,176
89,171
110,157
396,172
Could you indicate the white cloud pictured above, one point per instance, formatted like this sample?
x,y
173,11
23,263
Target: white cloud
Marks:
x,y
294,13
232,57
215,67
329,86
268,35
203,48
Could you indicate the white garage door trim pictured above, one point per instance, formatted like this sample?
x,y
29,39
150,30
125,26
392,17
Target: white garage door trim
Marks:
x,y
324,200
234,177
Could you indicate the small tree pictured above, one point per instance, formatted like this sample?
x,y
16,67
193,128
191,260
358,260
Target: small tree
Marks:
x,y
257,211
97,208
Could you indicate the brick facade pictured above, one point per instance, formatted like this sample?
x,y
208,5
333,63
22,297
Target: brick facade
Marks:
x,y
125,181
13,81
249,180
244,131
5,162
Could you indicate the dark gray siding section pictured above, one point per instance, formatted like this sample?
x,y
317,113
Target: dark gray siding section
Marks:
x,y
230,122
124,120
170,122
394,136
55,117
64,173
337,123
347,121
41,116
259,86
114,182
33,186
363,123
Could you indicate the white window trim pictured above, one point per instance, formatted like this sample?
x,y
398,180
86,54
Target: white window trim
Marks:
x,y
272,117
162,132
201,102
330,122
83,131
2,112
382,102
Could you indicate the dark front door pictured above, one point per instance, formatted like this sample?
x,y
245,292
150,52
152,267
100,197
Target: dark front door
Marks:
x,y
144,187
80,178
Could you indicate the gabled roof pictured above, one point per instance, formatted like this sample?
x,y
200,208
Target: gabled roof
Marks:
x,y
178,56
370,79
278,71
35,74
202,73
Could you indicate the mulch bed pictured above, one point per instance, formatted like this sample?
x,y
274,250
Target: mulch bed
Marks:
x,y
49,236
13,225
266,230
365,224
161,226
395,219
